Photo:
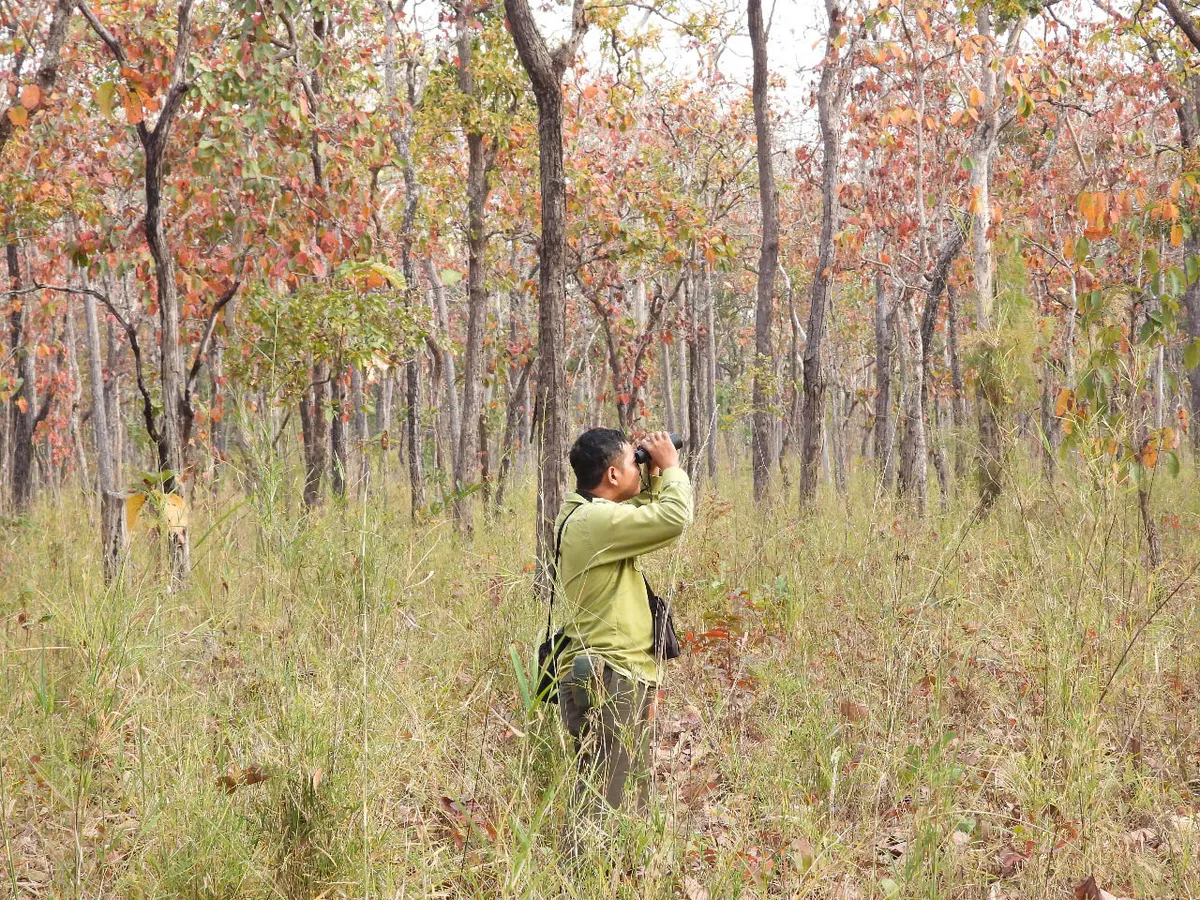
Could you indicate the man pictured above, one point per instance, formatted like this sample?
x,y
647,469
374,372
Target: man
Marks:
x,y
608,671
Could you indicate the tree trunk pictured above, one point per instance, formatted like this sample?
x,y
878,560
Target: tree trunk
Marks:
x,y
831,95
710,376
959,391
71,340
512,421
442,347
23,403
762,438
914,476
695,382
668,386
989,387
545,70
112,504
337,431
112,401
358,419
884,464
314,422
402,128
467,457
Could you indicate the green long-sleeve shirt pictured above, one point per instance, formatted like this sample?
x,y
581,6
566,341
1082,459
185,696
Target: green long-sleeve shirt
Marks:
x,y
605,607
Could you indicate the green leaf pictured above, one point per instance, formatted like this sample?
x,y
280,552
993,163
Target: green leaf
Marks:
x,y
1191,355
1173,463
450,277
1192,264
1081,249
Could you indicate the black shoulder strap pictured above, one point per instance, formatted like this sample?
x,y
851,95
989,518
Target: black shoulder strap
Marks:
x,y
557,558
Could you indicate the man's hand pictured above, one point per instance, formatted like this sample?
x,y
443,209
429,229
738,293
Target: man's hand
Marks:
x,y
663,454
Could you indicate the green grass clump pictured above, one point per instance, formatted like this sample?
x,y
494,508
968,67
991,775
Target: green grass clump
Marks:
x,y
871,705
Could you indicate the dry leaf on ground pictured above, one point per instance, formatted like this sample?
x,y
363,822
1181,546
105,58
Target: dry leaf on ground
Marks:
x,y
1089,890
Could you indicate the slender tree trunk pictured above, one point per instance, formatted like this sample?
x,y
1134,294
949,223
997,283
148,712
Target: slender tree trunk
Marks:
x,y
512,421
314,422
402,128
695,406
358,419
442,347
958,388
831,95
337,431
23,404
112,504
710,375
112,401
916,457
467,457
70,338
668,387
989,387
762,443
885,465
545,70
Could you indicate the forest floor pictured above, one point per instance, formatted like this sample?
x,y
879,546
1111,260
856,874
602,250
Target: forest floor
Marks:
x,y
869,706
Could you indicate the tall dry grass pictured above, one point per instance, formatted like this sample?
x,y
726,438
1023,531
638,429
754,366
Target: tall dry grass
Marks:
x,y
870,706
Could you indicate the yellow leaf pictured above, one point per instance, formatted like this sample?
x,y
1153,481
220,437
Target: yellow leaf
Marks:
x,y
105,95
31,96
1069,248
133,509
1176,235
18,116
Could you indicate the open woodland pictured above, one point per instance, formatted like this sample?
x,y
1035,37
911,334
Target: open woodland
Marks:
x,y
306,301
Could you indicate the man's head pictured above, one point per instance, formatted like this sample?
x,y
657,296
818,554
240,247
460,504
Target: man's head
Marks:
x,y
603,462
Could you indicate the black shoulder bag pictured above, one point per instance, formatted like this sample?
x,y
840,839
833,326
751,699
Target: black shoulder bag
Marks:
x,y
665,642
552,647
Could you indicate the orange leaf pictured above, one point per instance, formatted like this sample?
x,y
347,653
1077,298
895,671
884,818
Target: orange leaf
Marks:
x,y
18,116
1176,235
976,97
1066,401
1150,456
22,405
1087,206
31,96
976,205
133,108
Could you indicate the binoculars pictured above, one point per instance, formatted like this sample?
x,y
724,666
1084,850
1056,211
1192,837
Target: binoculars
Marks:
x,y
641,457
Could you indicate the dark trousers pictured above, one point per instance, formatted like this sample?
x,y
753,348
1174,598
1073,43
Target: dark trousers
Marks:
x,y
608,715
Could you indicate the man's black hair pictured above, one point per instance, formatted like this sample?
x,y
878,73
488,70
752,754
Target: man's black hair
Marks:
x,y
594,451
